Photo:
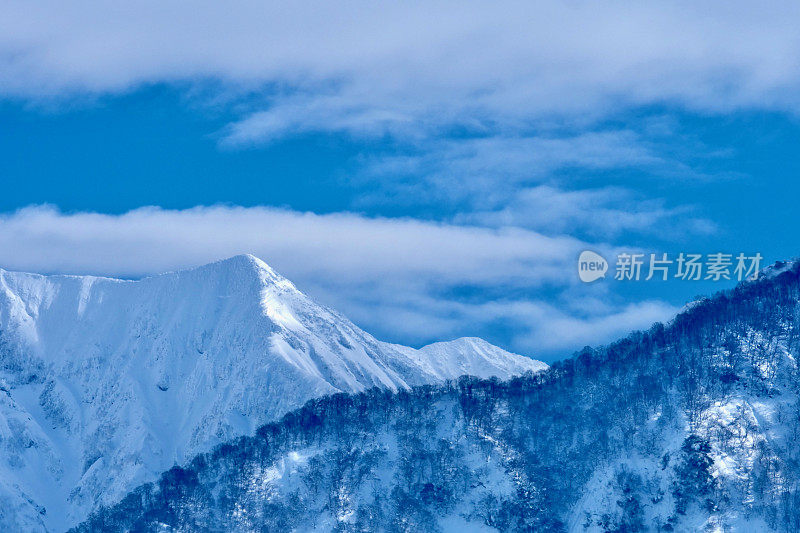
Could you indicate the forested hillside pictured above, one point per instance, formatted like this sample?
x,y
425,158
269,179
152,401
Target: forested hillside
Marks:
x,y
691,425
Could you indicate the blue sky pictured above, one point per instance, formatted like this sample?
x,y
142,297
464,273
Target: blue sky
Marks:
x,y
431,173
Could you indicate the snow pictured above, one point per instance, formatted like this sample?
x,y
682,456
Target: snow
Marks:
x,y
111,382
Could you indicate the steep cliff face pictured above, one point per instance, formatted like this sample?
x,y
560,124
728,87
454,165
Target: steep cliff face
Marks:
x,y
690,426
105,383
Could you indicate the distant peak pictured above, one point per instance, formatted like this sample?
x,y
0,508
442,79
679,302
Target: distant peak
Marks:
x,y
241,262
242,267
241,259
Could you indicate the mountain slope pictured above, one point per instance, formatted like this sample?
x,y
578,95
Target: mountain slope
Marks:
x,y
104,383
690,426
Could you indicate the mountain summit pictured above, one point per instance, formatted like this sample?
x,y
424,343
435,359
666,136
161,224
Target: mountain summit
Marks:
x,y
105,383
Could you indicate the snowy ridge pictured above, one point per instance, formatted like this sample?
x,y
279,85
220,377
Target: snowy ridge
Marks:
x,y
105,383
466,356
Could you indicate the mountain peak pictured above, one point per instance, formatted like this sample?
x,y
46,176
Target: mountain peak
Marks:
x,y
245,275
242,264
168,366
242,260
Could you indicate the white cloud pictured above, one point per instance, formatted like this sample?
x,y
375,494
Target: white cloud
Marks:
x,y
375,68
529,182
149,240
399,278
550,328
603,213
525,80
476,166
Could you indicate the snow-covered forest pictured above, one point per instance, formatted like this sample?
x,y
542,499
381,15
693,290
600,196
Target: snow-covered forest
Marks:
x,y
693,424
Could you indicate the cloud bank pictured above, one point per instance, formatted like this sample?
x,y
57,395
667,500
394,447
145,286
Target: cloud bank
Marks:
x,y
402,279
369,68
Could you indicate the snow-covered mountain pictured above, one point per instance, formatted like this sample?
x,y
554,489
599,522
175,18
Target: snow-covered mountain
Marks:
x,y
105,383
690,426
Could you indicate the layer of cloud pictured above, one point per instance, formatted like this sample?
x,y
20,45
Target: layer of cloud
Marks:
x,y
402,279
487,170
149,240
604,213
530,181
377,68
490,108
